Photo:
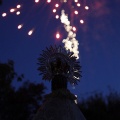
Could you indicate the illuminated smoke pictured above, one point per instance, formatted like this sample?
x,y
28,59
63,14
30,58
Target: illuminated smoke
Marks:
x,y
70,42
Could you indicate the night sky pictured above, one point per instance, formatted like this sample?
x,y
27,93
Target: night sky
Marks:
x,y
99,42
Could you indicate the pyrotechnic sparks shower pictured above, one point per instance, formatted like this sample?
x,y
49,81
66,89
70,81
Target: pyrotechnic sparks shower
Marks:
x,y
70,42
69,12
13,10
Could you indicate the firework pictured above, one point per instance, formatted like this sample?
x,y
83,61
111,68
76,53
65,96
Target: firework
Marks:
x,y
68,12
70,42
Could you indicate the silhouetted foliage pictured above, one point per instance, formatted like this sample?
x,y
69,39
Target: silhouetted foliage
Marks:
x,y
98,107
18,104
0,2
22,104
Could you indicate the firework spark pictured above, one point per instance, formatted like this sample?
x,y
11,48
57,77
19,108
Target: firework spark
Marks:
x,y
71,7
20,26
30,32
4,14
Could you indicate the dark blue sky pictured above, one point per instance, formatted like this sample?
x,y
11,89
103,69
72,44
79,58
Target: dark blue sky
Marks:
x,y
99,40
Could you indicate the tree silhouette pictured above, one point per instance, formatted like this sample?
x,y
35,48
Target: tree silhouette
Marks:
x,y
25,101
21,103
98,107
0,2
113,105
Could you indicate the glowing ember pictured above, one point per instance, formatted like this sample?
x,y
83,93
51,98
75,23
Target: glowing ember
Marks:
x,y
18,6
56,5
57,16
74,28
30,32
86,7
81,21
4,14
78,4
54,10
76,12
57,35
18,13
20,26
76,0
12,10
48,1
37,1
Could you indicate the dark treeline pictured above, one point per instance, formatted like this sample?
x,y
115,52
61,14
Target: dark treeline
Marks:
x,y
0,2
97,107
22,104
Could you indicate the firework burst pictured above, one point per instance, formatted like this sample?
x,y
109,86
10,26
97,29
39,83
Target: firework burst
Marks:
x,y
68,12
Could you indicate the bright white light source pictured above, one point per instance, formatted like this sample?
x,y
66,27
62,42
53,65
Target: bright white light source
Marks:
x,y
57,16
48,1
37,1
76,0
74,28
76,12
4,14
57,35
56,5
30,32
18,6
54,10
18,13
86,7
81,21
12,10
78,4
20,26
